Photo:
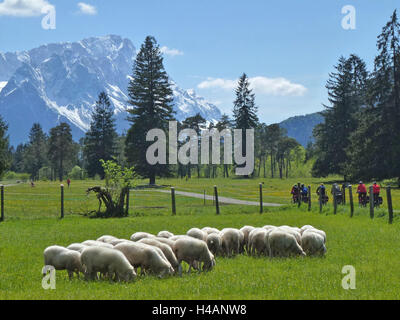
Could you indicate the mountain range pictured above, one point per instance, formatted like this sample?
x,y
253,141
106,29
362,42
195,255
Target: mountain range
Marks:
x,y
60,82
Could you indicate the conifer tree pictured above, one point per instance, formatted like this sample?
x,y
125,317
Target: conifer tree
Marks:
x,y
100,140
151,100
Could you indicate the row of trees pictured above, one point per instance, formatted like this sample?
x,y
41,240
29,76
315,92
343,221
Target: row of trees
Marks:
x,y
56,154
360,138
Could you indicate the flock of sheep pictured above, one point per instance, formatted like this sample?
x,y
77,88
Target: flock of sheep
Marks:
x,y
119,259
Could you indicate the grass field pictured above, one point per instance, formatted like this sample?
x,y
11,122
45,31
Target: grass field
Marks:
x,y
371,246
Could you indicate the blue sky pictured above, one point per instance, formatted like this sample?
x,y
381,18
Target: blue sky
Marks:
x,y
286,47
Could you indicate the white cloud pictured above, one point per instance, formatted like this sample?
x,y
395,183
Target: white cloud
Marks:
x,y
261,85
88,9
23,8
171,52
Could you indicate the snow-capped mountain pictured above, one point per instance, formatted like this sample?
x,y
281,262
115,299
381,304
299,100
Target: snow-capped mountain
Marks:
x,y
61,82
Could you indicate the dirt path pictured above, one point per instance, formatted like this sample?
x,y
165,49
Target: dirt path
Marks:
x,y
221,199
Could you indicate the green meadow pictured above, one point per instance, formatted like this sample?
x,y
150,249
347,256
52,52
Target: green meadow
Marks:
x,y
32,223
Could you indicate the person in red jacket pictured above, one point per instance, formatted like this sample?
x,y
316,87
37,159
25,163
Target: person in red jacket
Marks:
x,y
376,189
362,192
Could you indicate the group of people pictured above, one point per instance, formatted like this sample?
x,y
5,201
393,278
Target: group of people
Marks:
x,y
303,192
362,192
336,191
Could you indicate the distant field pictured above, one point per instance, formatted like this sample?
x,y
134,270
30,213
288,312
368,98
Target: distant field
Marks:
x,y
32,225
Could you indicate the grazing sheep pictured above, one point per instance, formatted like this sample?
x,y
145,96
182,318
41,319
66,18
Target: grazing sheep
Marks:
x,y
166,249
147,257
257,244
166,241
118,241
165,234
63,259
268,227
320,232
313,243
197,233
93,243
214,243
246,231
77,247
304,228
210,230
106,239
231,241
140,235
292,231
192,250
106,261
179,236
283,244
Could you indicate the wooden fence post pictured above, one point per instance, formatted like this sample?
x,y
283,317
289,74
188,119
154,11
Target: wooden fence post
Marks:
x,y
334,201
173,201
127,202
62,201
2,203
351,201
390,205
261,199
371,202
309,198
216,199
344,193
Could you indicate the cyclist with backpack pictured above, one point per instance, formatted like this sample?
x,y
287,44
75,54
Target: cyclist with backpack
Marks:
x,y
362,193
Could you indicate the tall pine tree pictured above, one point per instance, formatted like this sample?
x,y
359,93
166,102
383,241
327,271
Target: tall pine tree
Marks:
x,y
376,144
244,109
62,150
347,94
100,140
35,155
151,99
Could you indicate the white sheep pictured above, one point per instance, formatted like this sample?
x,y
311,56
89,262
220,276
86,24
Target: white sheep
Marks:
x,y
63,259
313,243
147,257
106,239
192,250
321,232
246,231
166,249
231,241
293,231
140,235
257,242
165,234
166,241
94,243
198,234
210,230
106,261
283,244
118,241
214,243
77,247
